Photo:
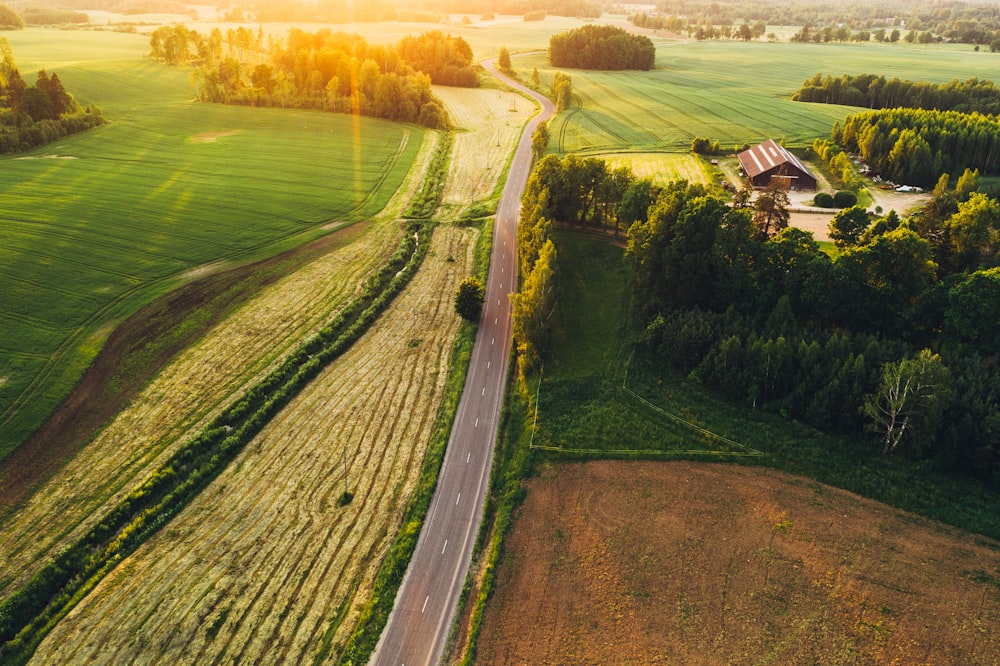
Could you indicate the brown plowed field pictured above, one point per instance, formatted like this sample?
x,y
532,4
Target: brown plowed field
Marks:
x,y
688,563
258,567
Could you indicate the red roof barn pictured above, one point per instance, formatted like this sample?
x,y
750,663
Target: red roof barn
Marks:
x,y
770,160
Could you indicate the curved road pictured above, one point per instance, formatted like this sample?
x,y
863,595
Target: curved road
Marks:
x,y
428,598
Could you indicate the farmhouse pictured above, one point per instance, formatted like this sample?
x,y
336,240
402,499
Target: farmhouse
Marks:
x,y
768,161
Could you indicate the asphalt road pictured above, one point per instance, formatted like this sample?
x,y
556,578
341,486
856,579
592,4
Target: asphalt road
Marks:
x,y
425,607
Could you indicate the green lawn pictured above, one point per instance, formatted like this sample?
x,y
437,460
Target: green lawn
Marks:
x,y
100,223
603,395
731,92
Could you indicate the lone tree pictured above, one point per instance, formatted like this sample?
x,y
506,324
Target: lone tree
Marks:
x,y
562,91
770,210
469,299
909,401
848,226
503,59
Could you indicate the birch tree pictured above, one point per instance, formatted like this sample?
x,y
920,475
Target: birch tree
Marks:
x,y
909,401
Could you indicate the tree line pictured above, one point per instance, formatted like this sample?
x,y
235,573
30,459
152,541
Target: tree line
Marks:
x,y
701,30
601,47
32,116
914,146
949,20
876,92
897,336
329,71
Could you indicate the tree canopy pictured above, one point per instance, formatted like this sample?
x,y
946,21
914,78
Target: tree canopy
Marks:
x,y
601,47
876,92
9,19
329,71
914,146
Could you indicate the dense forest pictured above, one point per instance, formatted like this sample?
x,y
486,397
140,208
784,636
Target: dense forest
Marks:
x,y
602,47
876,92
32,116
329,71
896,339
913,146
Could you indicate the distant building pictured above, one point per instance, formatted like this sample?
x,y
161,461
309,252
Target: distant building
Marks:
x,y
770,161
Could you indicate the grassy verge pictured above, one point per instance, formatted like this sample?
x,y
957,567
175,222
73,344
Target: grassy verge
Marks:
x,y
513,463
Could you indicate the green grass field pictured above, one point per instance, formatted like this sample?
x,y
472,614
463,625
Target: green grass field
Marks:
x,y
585,410
100,223
730,92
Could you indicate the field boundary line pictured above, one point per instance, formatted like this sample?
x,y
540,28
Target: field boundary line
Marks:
x,y
748,451
744,452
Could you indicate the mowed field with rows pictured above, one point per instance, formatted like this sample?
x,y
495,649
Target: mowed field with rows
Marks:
x,y
487,122
100,223
264,564
661,168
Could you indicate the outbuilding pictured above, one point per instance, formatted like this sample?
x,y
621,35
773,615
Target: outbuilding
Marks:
x,y
770,161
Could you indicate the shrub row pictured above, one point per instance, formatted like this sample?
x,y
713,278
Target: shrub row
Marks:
x,y
426,202
840,199
17,138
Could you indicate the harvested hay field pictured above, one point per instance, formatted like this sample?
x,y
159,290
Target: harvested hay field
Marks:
x,y
689,563
489,122
661,168
265,566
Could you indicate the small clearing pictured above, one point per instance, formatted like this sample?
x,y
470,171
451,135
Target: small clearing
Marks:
x,y
661,168
211,137
690,563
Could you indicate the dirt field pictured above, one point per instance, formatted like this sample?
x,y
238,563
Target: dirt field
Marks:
x,y
686,563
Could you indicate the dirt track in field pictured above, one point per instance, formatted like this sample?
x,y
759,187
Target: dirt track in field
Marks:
x,y
686,563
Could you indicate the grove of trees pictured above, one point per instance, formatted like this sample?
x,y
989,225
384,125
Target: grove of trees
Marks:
x,y
329,71
9,19
898,336
913,146
944,20
876,92
601,47
32,116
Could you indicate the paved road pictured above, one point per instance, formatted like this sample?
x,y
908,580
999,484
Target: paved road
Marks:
x,y
425,606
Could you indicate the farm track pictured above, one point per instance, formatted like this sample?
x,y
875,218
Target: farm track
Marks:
x,y
264,557
187,393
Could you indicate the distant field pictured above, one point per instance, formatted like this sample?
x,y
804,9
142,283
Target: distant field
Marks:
x,y
102,222
730,92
